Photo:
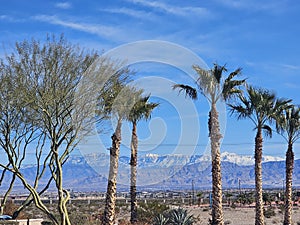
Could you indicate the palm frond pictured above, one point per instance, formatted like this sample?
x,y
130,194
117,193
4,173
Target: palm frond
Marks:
x,y
288,123
141,109
218,71
189,91
231,88
237,72
267,131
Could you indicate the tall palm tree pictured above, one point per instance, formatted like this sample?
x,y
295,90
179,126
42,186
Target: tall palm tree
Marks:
x,y
261,107
288,125
215,89
142,109
115,100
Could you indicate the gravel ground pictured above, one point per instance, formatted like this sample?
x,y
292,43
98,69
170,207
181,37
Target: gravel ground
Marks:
x,y
241,216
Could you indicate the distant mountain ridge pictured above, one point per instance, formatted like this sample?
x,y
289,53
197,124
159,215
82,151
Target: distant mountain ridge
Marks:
x,y
149,160
172,172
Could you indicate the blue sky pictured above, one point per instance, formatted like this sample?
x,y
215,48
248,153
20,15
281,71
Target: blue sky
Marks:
x,y
259,36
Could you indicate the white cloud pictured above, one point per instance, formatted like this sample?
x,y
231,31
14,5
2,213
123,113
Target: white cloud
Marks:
x,y
97,29
179,11
10,18
290,67
130,12
255,5
63,5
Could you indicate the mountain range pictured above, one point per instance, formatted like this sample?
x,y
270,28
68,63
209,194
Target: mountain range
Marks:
x,y
167,172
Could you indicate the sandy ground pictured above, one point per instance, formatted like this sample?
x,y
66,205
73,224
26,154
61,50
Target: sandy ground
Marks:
x,y
241,216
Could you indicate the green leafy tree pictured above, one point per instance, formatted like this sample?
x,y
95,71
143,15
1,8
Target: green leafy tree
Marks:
x,y
261,107
16,132
214,88
54,110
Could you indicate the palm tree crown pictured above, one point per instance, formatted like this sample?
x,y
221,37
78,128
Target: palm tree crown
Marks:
x,y
211,84
142,109
288,125
261,107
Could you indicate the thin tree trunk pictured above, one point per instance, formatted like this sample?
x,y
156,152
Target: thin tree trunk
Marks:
x,y
4,200
37,198
63,195
110,201
289,163
30,199
133,165
259,211
215,137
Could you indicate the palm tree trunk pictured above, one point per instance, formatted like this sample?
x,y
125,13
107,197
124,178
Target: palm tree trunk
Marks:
x,y
289,163
133,164
259,213
215,137
110,201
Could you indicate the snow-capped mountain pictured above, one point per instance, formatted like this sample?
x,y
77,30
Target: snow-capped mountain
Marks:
x,y
155,168
164,161
245,160
169,171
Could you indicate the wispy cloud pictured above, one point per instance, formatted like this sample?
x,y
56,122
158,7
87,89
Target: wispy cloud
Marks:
x,y
140,14
291,85
290,67
63,5
97,29
255,5
175,10
11,19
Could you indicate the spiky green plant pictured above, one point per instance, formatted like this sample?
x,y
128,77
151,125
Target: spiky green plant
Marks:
x,y
160,219
180,217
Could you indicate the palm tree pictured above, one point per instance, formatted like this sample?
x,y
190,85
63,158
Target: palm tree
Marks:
x,y
215,89
142,109
115,100
288,125
261,107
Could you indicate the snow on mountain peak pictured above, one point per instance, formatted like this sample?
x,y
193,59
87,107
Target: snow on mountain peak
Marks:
x,y
246,160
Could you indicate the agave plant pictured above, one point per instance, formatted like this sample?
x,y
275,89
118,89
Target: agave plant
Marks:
x,y
160,219
180,217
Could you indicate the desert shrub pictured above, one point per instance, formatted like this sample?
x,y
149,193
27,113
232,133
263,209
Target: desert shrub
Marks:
x,y
269,212
281,208
147,211
11,207
205,209
275,221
